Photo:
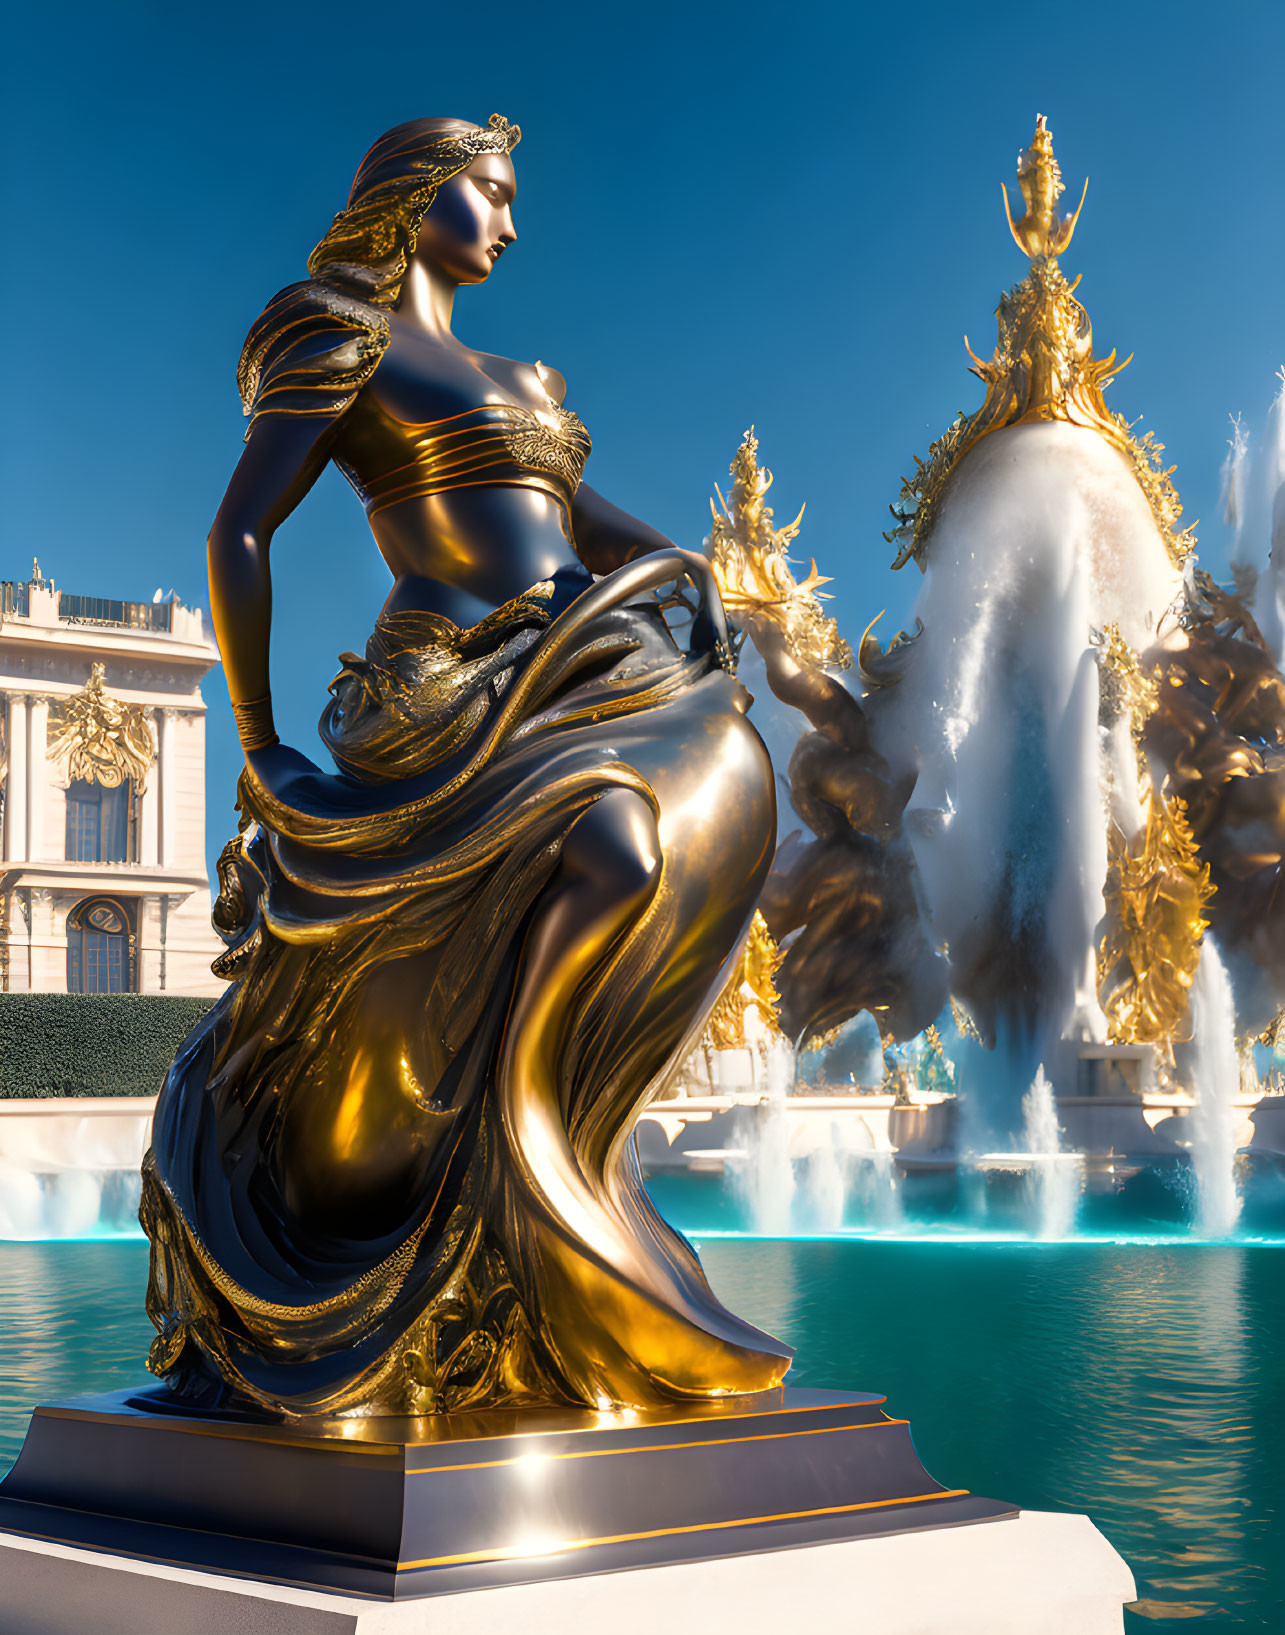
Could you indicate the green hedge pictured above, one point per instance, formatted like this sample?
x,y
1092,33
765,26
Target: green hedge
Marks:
x,y
68,1044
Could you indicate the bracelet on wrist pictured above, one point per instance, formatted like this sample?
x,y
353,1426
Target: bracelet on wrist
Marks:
x,y
254,724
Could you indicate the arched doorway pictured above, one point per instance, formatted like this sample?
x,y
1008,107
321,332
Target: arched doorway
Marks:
x,y
98,948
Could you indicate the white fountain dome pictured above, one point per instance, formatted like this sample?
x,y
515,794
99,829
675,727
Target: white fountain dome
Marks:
x,y
1049,539
1032,505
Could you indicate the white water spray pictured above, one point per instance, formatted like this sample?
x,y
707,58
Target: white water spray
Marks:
x,y
67,1203
826,1188
1216,1069
1044,538
1254,509
767,1178
877,1191
1055,1177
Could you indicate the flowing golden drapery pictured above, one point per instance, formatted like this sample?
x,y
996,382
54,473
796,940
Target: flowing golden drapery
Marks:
x,y
355,1201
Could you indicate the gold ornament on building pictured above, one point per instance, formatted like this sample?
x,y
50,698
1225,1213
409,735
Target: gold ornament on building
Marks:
x,y
1156,887
101,739
1043,368
752,983
754,569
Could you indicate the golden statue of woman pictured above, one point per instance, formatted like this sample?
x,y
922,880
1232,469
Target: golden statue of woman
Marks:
x,y
391,1170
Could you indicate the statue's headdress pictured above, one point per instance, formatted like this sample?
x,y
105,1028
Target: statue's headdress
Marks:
x,y
395,184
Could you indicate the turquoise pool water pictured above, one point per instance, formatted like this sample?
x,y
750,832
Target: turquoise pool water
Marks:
x,y
1142,1383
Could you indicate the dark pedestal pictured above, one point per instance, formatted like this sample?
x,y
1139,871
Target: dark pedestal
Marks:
x,y
398,1508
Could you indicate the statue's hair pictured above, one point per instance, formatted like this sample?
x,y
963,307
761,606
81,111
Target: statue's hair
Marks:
x,y
397,181
317,343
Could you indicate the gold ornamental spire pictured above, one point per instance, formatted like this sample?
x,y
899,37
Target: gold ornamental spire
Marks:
x,y
1043,368
1041,231
753,567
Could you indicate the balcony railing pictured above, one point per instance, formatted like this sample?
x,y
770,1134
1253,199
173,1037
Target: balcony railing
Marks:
x,y
103,610
14,599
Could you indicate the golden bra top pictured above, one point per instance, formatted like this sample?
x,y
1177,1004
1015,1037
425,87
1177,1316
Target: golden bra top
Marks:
x,y
313,349
388,460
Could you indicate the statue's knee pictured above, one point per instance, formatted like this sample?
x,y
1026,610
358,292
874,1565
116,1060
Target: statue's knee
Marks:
x,y
615,845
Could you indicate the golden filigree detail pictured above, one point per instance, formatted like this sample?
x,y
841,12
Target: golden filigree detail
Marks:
x,y
552,440
474,1348
753,566
100,739
751,983
1124,687
1156,887
473,1343
1043,369
1156,891
916,506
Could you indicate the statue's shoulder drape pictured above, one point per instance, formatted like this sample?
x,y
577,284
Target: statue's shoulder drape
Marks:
x,y
310,352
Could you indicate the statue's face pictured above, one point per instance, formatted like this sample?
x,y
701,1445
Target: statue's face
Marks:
x,y
470,223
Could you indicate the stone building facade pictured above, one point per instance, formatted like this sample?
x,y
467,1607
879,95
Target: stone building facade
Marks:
x,y
103,880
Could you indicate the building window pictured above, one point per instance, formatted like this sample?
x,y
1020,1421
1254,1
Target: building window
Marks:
x,y
98,949
100,826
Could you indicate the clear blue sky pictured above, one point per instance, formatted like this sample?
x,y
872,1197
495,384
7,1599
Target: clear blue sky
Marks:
x,y
785,214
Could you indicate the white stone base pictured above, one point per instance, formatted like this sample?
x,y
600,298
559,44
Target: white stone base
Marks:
x,y
1049,1573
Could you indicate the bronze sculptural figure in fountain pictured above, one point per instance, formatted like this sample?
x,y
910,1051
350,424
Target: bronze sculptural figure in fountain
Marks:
x,y
390,1170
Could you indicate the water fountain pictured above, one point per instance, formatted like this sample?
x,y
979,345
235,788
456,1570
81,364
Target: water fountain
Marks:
x,y
1216,1071
70,1167
825,1190
766,1173
1056,1178
1254,499
1026,821
69,1203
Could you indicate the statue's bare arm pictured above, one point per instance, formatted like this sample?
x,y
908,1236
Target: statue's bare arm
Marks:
x,y
284,455
607,537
